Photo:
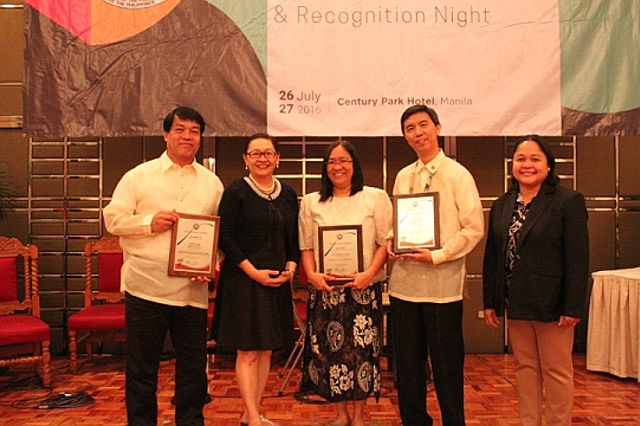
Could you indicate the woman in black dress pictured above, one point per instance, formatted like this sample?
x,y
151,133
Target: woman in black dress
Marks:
x,y
259,237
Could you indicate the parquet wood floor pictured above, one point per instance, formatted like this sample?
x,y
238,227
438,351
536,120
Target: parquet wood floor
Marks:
x,y
490,399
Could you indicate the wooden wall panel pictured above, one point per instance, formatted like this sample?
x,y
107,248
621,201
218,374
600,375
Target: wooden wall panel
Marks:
x,y
399,155
370,151
119,156
478,338
475,258
10,100
630,166
595,166
154,146
629,239
229,162
14,149
602,240
484,158
11,65
15,225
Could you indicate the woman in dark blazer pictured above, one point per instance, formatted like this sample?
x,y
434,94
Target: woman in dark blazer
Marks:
x,y
536,269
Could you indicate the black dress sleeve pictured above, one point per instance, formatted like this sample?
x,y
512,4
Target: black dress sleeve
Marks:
x,y
229,212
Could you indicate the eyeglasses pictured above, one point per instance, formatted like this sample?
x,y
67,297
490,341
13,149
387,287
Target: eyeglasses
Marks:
x,y
338,161
254,155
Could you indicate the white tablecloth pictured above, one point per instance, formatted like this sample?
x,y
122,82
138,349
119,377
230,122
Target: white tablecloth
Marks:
x,y
613,340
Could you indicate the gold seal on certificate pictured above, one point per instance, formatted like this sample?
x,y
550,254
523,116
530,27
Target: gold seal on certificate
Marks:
x,y
340,251
194,244
415,222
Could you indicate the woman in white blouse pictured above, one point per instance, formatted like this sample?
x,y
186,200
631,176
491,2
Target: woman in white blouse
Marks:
x,y
342,347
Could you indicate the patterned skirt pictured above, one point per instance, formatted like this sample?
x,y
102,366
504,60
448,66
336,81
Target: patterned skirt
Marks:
x,y
342,345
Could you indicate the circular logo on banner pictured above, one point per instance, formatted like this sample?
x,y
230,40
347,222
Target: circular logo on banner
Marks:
x,y
134,4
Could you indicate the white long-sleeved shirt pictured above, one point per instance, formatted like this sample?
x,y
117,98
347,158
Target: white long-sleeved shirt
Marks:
x,y
461,228
150,187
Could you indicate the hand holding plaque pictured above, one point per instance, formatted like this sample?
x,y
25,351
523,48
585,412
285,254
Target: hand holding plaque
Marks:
x,y
194,244
415,222
340,252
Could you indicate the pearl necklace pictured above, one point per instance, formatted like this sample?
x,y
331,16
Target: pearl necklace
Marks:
x,y
268,194
266,191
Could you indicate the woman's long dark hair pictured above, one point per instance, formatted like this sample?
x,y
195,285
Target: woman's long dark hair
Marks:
x,y
357,180
551,179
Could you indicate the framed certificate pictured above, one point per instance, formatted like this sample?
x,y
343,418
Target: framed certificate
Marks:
x,y
194,245
340,251
415,222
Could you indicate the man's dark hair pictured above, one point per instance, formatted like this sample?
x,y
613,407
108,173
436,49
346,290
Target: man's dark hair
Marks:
x,y
185,113
413,109
357,180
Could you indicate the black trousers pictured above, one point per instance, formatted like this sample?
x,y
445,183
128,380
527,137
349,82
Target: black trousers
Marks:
x,y
435,329
147,324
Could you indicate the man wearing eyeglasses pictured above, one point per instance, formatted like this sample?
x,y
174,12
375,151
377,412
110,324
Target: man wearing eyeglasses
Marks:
x,y
142,212
426,284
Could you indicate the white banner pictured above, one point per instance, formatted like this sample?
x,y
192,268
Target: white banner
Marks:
x,y
349,67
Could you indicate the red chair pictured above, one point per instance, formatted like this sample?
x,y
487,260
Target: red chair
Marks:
x,y
300,323
24,337
102,318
